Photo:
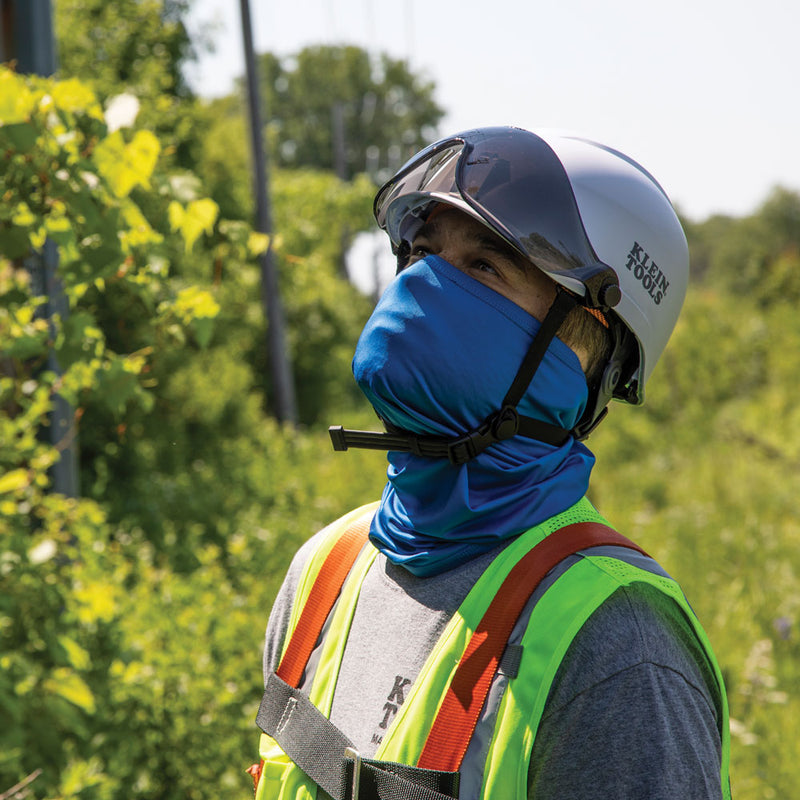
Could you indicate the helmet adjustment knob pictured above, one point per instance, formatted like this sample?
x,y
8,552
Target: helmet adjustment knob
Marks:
x,y
610,295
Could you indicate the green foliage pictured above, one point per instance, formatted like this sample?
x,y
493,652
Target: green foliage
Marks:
x,y
68,187
316,213
705,477
224,169
383,112
48,694
315,216
139,47
68,180
131,619
757,256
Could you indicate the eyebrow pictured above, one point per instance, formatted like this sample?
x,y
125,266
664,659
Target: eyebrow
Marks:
x,y
426,230
499,246
486,240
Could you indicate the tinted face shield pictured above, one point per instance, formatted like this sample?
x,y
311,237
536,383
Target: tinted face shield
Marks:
x,y
512,181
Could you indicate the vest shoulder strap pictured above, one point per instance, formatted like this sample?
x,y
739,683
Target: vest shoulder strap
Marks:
x,y
321,599
458,715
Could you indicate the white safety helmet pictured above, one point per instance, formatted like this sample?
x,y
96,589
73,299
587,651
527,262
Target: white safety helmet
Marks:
x,y
587,215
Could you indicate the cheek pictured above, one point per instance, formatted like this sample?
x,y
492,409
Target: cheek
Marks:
x,y
535,296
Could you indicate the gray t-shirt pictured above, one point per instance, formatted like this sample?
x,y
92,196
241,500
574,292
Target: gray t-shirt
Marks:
x,y
631,713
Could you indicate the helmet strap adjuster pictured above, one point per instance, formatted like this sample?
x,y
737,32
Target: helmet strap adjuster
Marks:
x,y
499,425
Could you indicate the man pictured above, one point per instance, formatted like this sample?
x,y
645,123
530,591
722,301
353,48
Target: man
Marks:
x,y
495,638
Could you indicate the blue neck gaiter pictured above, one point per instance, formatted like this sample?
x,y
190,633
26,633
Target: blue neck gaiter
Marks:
x,y
436,357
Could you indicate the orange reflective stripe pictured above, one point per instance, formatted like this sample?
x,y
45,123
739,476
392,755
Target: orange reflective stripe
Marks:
x,y
323,594
458,715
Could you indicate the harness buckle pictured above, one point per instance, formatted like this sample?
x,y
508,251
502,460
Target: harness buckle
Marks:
x,y
355,756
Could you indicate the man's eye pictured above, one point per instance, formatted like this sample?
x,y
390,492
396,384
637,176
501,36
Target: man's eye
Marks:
x,y
420,250
485,266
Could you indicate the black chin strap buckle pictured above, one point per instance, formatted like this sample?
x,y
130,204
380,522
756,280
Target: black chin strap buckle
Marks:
x,y
503,424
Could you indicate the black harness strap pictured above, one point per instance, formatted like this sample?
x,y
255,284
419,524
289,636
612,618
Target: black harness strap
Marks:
x,y
561,306
501,425
326,755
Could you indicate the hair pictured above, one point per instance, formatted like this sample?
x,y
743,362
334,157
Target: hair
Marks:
x,y
583,330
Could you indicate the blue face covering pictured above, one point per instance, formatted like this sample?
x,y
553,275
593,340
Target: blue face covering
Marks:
x,y
437,356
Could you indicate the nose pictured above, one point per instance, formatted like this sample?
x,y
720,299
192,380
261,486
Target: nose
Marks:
x,y
453,255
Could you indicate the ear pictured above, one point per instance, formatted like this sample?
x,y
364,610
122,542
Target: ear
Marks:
x,y
614,382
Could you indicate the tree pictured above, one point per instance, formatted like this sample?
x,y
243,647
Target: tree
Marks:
x,y
757,255
68,180
340,109
140,44
140,47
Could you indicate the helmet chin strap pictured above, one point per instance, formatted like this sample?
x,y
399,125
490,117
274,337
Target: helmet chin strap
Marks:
x,y
499,425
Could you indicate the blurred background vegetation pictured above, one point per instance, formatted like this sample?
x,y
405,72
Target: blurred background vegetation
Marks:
x,y
132,616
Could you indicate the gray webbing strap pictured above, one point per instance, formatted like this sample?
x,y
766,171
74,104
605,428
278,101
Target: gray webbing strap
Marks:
x,y
305,735
318,747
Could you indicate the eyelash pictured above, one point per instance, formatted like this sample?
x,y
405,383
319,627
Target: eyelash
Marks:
x,y
481,265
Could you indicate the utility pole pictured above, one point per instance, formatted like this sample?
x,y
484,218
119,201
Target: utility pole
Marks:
x,y
26,37
28,34
339,152
283,381
340,167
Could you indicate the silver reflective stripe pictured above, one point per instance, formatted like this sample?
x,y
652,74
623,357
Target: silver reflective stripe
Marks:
x,y
630,557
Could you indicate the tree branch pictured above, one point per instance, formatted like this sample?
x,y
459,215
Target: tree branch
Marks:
x,y
14,791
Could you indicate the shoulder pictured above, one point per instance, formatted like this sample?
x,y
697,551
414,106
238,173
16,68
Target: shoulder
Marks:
x,y
632,711
310,547
637,626
280,614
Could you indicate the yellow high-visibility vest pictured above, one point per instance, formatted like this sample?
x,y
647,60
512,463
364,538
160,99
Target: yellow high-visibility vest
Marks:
x,y
554,621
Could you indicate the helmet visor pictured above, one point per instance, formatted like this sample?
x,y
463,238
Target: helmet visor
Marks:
x,y
513,182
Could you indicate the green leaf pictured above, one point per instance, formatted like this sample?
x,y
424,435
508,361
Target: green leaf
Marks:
x,y
125,166
203,328
198,217
193,302
257,243
17,102
23,216
72,95
65,683
14,242
77,655
117,385
20,136
81,339
16,479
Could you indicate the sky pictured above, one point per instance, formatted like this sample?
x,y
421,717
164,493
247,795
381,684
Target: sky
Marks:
x,y
705,94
